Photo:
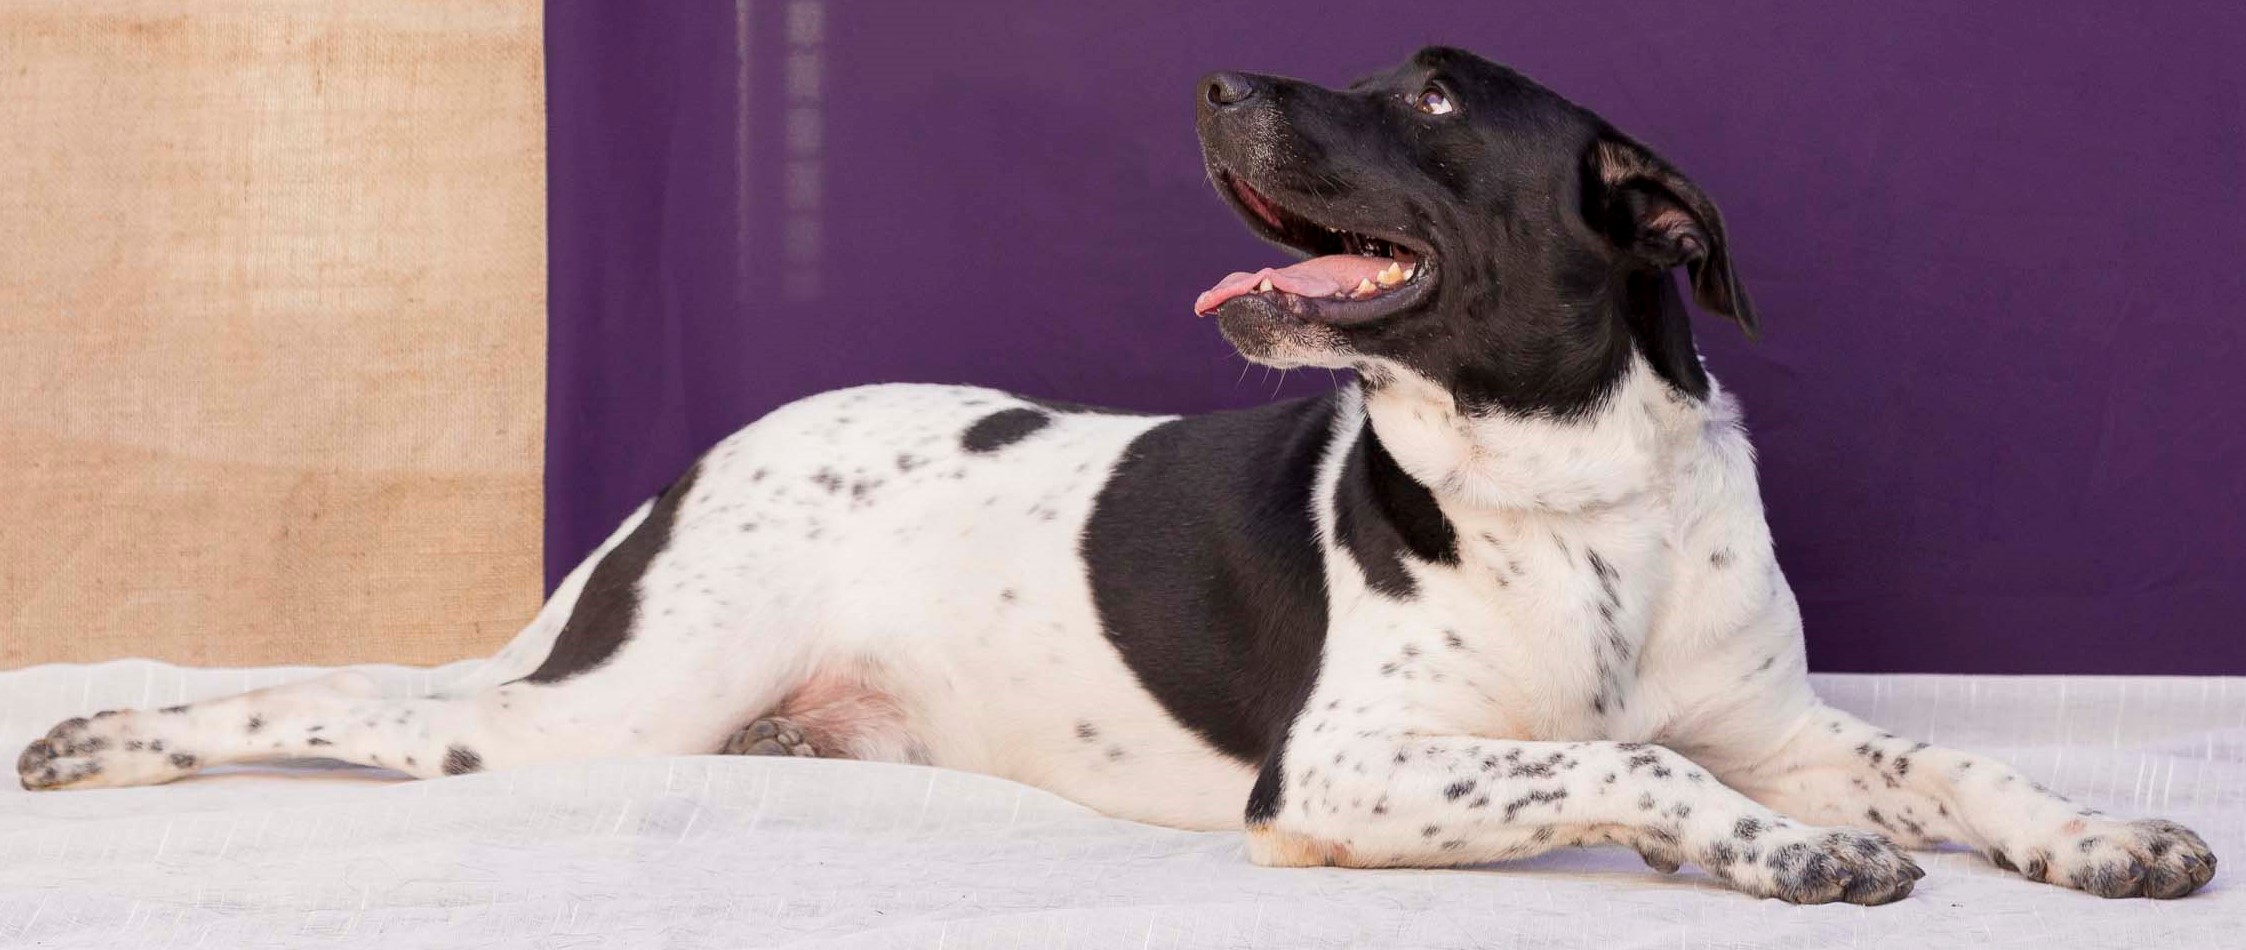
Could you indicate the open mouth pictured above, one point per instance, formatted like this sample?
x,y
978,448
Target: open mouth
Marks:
x,y
1347,277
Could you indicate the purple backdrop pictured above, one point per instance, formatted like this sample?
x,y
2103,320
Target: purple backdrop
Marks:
x,y
1996,247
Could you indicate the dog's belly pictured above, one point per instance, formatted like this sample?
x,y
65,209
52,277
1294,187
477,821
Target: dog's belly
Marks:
x,y
930,535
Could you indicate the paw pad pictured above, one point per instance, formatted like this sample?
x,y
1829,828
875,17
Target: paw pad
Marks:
x,y
771,735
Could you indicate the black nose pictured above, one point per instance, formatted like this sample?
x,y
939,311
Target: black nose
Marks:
x,y
1220,90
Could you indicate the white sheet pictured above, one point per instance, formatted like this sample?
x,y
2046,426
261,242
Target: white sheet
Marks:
x,y
747,852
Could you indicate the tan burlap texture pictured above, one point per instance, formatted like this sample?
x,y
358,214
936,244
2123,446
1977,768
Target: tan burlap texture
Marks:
x,y
272,328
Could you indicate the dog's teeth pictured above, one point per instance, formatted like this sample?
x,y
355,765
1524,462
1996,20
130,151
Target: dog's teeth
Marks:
x,y
1265,287
1393,275
1364,288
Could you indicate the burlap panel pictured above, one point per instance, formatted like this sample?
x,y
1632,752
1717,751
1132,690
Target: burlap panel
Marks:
x,y
272,328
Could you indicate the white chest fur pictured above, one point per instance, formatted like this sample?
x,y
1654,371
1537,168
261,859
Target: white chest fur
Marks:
x,y
1573,540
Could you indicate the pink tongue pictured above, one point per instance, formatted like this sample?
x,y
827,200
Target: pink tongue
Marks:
x,y
1328,276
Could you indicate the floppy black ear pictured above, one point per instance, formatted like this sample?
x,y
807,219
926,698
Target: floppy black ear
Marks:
x,y
1653,211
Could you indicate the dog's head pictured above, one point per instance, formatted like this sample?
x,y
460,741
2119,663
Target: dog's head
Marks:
x,y
1460,222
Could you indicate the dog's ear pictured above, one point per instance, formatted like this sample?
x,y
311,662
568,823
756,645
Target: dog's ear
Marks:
x,y
1653,212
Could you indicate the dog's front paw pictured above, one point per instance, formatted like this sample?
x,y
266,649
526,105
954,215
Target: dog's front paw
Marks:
x,y
2150,858
1803,864
108,750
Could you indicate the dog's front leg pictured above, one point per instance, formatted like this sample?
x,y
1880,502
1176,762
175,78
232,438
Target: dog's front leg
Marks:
x,y
1343,795
1835,768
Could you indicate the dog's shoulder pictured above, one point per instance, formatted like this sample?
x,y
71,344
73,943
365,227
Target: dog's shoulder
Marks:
x,y
1205,567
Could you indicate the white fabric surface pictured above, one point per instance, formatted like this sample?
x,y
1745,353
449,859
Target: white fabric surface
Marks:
x,y
751,852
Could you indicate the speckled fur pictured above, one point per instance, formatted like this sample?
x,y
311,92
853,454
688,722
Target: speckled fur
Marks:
x,y
1614,658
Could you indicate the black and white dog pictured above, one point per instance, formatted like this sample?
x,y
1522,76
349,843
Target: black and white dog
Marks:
x,y
1509,590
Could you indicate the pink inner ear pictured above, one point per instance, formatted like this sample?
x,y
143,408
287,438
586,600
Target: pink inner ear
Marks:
x,y
1673,223
1677,228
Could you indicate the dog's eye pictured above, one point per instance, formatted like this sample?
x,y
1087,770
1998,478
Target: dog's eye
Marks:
x,y
1433,101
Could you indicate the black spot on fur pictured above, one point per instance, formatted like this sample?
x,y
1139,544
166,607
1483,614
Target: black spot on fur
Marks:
x,y
460,760
255,723
1381,515
316,740
608,606
1086,731
181,760
1459,789
1536,797
1001,429
1608,578
1720,558
172,710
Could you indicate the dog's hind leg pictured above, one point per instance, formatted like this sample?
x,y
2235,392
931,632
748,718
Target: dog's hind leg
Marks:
x,y
640,653
627,710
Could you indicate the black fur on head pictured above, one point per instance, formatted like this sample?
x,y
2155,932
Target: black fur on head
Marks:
x,y
1543,238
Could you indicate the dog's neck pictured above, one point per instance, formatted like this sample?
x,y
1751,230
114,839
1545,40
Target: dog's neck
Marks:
x,y
1622,449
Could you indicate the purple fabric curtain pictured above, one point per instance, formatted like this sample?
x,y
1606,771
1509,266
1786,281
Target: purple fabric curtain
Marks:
x,y
1997,248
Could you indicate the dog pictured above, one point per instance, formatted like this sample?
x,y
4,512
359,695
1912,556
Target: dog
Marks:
x,y
1507,589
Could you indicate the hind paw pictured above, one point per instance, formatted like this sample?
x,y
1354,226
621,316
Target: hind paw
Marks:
x,y
771,735
105,751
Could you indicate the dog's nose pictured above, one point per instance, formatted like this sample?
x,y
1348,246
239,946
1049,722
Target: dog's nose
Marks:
x,y
1223,90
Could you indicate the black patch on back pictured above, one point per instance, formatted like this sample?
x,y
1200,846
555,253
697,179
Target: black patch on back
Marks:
x,y
1206,572
1381,514
1002,428
601,619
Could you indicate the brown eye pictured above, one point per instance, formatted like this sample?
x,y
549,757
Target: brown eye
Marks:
x,y
1433,101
